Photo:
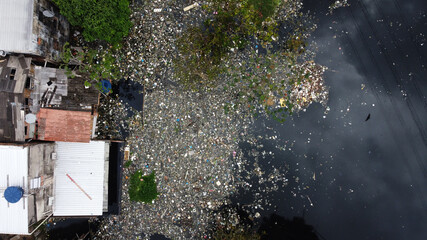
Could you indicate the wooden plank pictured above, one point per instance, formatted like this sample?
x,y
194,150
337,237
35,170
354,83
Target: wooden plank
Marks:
x,y
72,180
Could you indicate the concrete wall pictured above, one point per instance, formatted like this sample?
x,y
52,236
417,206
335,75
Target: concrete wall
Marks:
x,y
41,165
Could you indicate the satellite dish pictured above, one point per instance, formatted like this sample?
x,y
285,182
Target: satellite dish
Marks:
x,y
48,13
30,118
13,194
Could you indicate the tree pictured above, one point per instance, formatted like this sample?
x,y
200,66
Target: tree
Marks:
x,y
143,188
237,50
94,64
100,19
204,48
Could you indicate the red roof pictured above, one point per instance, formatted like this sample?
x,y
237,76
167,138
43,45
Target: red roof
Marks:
x,y
64,125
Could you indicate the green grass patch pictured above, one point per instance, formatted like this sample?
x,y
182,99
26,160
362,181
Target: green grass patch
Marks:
x,y
143,188
128,163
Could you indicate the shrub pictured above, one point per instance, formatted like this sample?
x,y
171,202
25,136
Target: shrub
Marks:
x,y
143,188
265,8
128,163
100,19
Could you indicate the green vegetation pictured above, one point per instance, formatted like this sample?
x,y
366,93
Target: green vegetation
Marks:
x,y
266,80
90,63
128,163
204,48
296,44
143,188
106,20
225,51
264,8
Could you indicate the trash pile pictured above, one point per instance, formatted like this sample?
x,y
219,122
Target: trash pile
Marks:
x,y
185,137
113,118
338,4
189,141
311,88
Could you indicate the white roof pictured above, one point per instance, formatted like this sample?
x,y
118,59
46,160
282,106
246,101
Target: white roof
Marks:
x,y
13,162
84,163
16,26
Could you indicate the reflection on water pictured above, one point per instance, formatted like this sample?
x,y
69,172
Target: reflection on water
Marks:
x,y
352,178
130,92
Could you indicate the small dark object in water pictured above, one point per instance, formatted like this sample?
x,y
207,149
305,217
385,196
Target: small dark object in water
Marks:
x,y
368,117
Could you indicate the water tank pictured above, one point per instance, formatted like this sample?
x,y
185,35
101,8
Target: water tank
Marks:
x,y
13,194
30,118
48,13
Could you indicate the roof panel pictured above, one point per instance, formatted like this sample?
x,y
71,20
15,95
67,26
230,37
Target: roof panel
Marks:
x,y
11,120
16,21
65,126
13,162
84,163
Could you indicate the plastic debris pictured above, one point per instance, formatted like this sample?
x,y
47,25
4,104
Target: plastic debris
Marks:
x,y
186,137
191,7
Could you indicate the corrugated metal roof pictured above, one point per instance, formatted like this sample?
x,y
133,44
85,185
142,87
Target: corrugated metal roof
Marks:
x,y
13,162
57,79
16,25
84,163
64,125
20,66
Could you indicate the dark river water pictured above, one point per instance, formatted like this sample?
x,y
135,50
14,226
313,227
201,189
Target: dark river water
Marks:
x,y
359,177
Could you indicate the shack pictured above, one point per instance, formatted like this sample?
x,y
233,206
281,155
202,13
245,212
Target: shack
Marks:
x,y
28,168
16,76
61,103
39,180
32,27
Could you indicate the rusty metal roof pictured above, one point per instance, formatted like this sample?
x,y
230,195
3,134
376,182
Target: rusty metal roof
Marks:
x,y
64,125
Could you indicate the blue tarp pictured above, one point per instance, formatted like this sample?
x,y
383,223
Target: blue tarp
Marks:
x,y
105,86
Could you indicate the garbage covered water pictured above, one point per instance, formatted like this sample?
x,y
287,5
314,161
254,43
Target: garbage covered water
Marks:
x,y
206,158
187,137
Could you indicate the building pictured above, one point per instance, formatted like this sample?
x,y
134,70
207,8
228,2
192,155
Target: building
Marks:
x,y
29,167
49,164
43,103
53,89
15,84
64,125
81,178
58,179
32,27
